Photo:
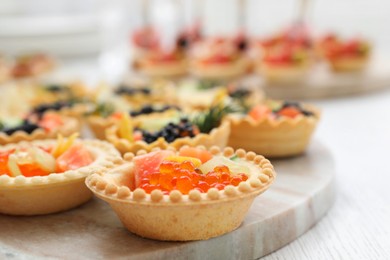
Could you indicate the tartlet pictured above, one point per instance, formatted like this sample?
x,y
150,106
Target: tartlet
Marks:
x,y
195,214
48,126
284,63
274,135
158,63
344,55
32,65
217,136
218,59
201,94
55,192
99,123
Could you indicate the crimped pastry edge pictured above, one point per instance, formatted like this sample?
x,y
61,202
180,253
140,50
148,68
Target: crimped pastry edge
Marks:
x,y
70,126
217,136
106,157
105,188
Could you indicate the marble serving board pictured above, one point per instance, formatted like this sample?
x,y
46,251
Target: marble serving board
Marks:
x,y
301,195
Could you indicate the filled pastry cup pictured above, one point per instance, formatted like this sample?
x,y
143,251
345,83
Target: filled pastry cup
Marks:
x,y
225,70
54,192
344,55
349,64
175,215
273,138
283,74
167,69
44,129
217,136
284,63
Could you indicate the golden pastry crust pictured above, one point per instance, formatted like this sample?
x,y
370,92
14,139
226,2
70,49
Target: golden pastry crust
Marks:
x,y
70,125
166,69
221,71
98,125
349,64
283,74
58,191
273,138
218,136
177,217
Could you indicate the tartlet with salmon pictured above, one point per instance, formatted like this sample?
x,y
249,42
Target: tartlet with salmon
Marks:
x,y
47,176
186,194
36,127
274,129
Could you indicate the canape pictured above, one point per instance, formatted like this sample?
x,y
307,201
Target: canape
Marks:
x,y
218,59
284,63
32,65
148,132
345,55
189,194
105,116
47,176
36,127
161,63
274,129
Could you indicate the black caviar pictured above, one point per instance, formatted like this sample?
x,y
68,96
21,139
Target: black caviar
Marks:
x,y
41,109
130,91
149,109
25,126
296,105
171,132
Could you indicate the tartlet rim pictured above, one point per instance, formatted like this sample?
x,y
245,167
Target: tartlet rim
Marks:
x,y
106,158
254,186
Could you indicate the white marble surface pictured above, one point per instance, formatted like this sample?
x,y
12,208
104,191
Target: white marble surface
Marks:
x,y
300,196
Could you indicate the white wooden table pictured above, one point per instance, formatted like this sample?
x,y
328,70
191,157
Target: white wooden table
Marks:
x,y
357,131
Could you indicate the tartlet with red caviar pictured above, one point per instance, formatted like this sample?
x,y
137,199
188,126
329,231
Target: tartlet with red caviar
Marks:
x,y
190,194
47,176
218,59
344,55
274,129
36,127
156,130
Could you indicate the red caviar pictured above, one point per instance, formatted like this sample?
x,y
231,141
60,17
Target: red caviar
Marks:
x,y
184,176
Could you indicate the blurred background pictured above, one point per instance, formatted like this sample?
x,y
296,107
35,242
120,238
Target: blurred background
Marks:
x,y
74,30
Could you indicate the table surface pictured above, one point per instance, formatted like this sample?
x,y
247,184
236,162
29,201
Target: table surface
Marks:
x,y
357,131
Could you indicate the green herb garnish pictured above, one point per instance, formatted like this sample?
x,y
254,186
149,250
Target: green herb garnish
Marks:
x,y
212,118
103,110
204,84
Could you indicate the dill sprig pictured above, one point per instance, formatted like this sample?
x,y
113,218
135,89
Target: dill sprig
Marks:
x,y
212,118
204,84
103,110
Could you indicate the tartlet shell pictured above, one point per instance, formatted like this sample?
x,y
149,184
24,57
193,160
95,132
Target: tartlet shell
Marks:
x,y
58,191
273,138
71,125
168,69
283,74
349,64
218,136
177,217
221,71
